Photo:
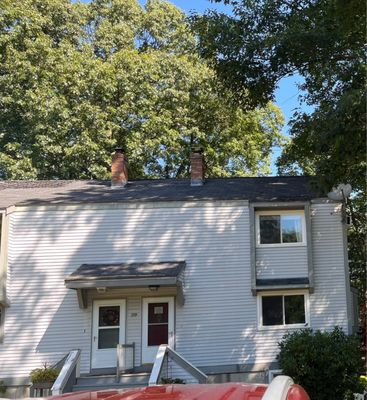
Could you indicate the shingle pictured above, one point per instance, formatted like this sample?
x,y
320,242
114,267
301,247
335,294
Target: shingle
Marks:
x,y
127,271
285,188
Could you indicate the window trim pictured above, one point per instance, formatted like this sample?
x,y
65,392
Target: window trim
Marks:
x,y
276,212
283,293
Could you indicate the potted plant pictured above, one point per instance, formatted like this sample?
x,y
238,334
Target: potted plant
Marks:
x,y
43,378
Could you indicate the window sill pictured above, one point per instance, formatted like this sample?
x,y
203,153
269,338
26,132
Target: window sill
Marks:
x,y
283,327
300,244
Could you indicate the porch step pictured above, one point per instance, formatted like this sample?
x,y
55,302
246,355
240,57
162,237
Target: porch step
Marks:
x,y
103,382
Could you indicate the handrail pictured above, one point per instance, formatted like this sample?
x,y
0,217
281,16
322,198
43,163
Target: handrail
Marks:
x,y
278,388
120,362
165,351
68,374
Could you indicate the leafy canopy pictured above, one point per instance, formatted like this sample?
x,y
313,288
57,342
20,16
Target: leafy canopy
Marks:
x,y
322,40
76,80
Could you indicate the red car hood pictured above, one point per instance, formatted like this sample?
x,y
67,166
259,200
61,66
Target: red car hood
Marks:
x,y
227,391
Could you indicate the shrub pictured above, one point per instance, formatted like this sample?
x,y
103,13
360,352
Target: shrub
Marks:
x,y
45,374
172,380
2,387
326,364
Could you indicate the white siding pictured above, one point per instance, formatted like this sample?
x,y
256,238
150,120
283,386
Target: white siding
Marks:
x,y
218,323
329,302
281,262
44,320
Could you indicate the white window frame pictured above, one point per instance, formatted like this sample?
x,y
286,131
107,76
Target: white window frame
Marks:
x,y
260,295
300,213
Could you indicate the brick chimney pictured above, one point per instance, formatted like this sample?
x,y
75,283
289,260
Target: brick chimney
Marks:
x,y
119,169
197,167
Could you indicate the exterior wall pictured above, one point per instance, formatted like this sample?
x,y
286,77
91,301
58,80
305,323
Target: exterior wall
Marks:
x,y
44,321
281,262
329,303
217,326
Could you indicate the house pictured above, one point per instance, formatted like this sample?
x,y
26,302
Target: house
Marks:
x,y
219,269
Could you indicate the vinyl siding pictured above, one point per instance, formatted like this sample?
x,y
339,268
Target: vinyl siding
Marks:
x,y
329,302
44,321
218,323
281,262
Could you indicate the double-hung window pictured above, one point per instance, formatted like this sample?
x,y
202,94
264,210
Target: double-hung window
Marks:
x,y
280,228
283,310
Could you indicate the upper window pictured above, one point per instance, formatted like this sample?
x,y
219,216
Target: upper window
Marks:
x,y
285,310
275,227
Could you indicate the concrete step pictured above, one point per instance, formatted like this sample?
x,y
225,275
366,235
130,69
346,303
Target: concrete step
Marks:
x,y
103,382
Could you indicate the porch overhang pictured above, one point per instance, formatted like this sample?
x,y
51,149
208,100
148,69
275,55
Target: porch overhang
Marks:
x,y
126,275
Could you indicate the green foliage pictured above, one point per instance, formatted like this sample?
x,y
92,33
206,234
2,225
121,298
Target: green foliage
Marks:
x,y
170,381
322,40
2,387
45,374
326,364
357,251
79,79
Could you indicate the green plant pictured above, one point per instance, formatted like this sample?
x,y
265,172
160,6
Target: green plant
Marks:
x,y
167,381
45,374
2,387
326,364
363,380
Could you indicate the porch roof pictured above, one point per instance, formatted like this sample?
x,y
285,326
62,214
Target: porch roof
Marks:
x,y
125,275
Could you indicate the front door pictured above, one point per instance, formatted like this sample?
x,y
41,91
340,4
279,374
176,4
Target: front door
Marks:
x,y
108,331
158,326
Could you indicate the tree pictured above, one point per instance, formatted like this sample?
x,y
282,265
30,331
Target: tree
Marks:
x,y
78,79
322,40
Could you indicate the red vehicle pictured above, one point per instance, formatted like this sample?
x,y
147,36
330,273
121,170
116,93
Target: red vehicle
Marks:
x,y
281,388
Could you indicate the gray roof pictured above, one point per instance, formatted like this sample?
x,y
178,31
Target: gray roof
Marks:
x,y
280,188
127,271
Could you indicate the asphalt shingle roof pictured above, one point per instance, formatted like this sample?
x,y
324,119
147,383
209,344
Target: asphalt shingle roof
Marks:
x,y
286,188
127,271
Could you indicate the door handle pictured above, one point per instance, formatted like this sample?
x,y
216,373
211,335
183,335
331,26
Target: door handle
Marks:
x,y
94,338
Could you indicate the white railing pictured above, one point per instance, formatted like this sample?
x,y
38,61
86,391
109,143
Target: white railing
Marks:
x,y
278,388
164,352
125,359
70,371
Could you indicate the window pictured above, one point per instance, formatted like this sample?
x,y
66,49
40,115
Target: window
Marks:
x,y
278,228
285,310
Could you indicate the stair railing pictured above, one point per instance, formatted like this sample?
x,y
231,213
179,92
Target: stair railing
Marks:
x,y
69,372
163,353
124,362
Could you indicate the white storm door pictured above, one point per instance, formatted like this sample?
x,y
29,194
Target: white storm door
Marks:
x,y
158,326
108,331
